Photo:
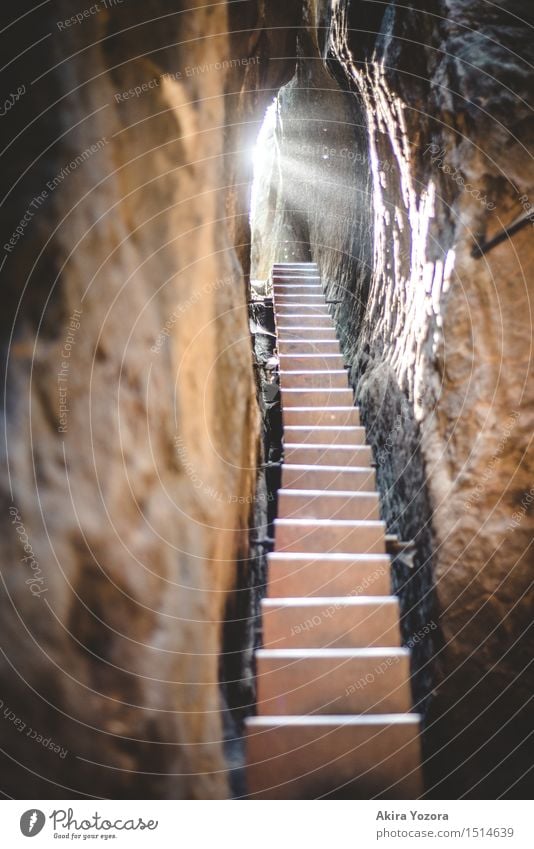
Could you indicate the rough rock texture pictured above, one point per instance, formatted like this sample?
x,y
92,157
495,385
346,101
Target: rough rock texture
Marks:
x,y
447,99
131,416
438,109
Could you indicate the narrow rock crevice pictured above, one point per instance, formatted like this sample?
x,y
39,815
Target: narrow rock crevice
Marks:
x,y
396,150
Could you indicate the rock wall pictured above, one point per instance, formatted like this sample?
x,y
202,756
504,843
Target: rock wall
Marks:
x,y
431,101
446,99
130,413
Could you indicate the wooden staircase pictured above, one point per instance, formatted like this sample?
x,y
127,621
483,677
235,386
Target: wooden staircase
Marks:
x,y
333,713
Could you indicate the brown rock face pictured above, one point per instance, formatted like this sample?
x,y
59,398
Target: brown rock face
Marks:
x,y
393,179
453,333
131,423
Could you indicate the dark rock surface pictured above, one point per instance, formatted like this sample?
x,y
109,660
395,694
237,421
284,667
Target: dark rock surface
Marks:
x,y
132,424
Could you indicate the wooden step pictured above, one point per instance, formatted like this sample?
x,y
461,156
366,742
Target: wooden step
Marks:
x,y
293,292
319,623
297,290
304,306
300,320
349,757
298,302
309,362
308,346
322,416
342,535
318,504
300,333
295,574
314,379
289,263
317,397
295,300
298,276
296,279
327,455
344,478
296,268
324,435
296,682
307,310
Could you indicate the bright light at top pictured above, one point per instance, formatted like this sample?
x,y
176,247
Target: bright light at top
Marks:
x,y
262,149
263,154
